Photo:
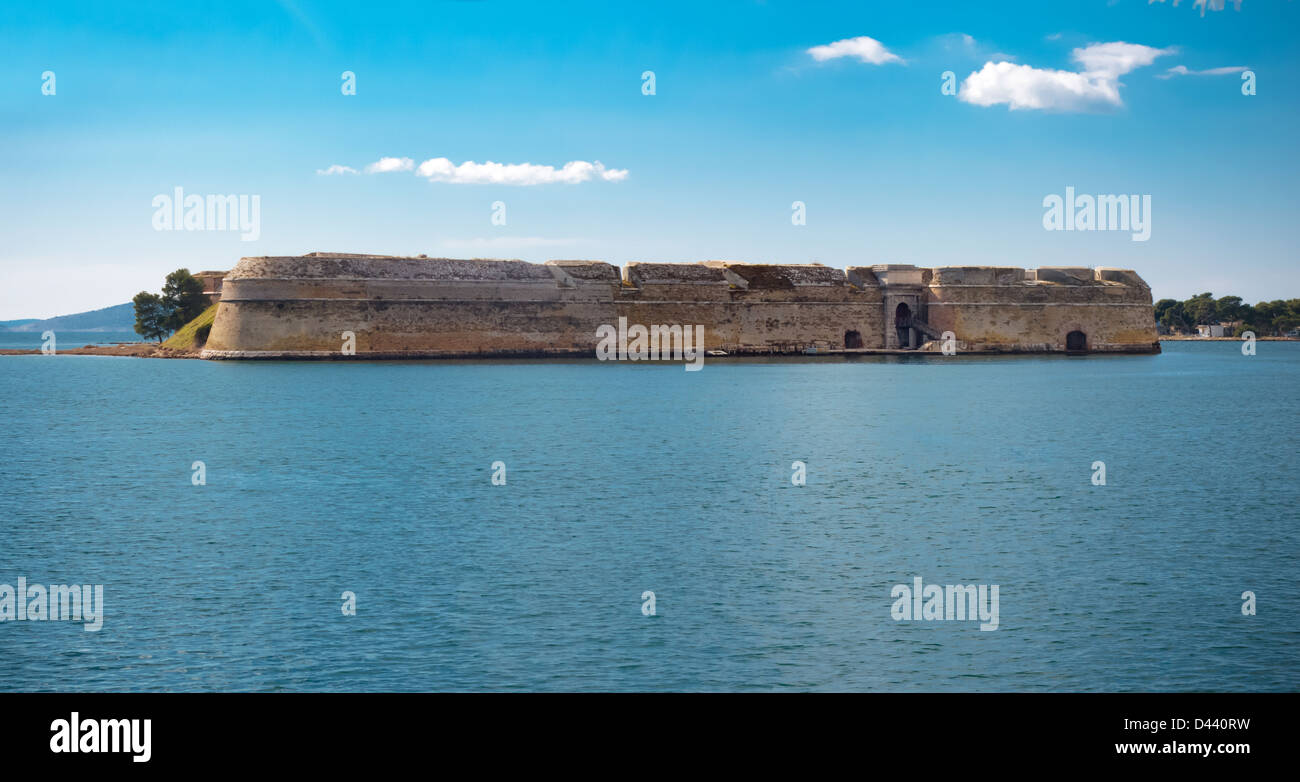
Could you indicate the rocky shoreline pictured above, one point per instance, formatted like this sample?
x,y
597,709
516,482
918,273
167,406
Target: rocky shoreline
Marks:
x,y
153,350
129,349
1181,338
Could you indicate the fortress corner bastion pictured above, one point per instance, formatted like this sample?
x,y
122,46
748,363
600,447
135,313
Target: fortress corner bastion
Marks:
x,y
401,307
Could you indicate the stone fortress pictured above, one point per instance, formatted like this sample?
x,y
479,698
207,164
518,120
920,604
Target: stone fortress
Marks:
x,y
401,307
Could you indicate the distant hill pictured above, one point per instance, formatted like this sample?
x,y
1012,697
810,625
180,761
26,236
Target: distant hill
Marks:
x,y
117,318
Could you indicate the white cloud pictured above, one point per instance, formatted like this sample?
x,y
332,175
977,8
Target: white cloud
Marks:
x,y
1181,70
1026,87
385,165
1112,60
863,47
441,169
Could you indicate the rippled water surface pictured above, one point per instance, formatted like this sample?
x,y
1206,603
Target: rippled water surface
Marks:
x,y
63,340
376,478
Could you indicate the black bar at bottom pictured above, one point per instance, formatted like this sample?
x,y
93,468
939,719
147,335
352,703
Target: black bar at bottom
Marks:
x,y
333,732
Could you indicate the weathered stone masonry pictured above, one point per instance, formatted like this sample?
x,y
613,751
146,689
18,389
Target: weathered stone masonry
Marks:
x,y
299,307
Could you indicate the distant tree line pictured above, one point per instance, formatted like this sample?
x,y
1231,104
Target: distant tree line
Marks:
x,y
1266,319
182,301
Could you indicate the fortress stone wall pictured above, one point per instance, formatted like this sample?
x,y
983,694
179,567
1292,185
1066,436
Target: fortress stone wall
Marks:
x,y
300,307
1013,309
211,285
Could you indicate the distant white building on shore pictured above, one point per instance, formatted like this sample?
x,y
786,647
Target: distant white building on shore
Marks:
x,y
1218,329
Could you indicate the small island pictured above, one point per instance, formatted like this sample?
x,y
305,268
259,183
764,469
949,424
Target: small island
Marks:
x,y
301,307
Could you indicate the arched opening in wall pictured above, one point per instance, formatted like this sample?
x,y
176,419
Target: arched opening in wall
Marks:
x,y
903,324
1076,342
852,339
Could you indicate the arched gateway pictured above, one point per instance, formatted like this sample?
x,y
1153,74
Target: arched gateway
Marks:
x,y
903,324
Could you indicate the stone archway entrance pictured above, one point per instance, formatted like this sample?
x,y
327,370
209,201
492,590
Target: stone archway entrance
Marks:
x,y
903,324
903,296
1076,342
852,340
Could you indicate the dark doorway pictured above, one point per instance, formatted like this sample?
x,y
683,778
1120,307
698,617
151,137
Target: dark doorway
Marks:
x,y
852,339
1076,342
903,325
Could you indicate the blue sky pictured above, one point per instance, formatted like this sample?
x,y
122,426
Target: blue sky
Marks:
x,y
245,98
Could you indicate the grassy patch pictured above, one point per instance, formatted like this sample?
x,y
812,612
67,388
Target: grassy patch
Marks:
x,y
192,335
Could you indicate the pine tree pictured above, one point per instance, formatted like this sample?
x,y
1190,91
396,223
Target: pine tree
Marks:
x,y
151,316
183,297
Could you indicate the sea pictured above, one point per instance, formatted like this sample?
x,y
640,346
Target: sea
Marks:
x,y
33,340
587,526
